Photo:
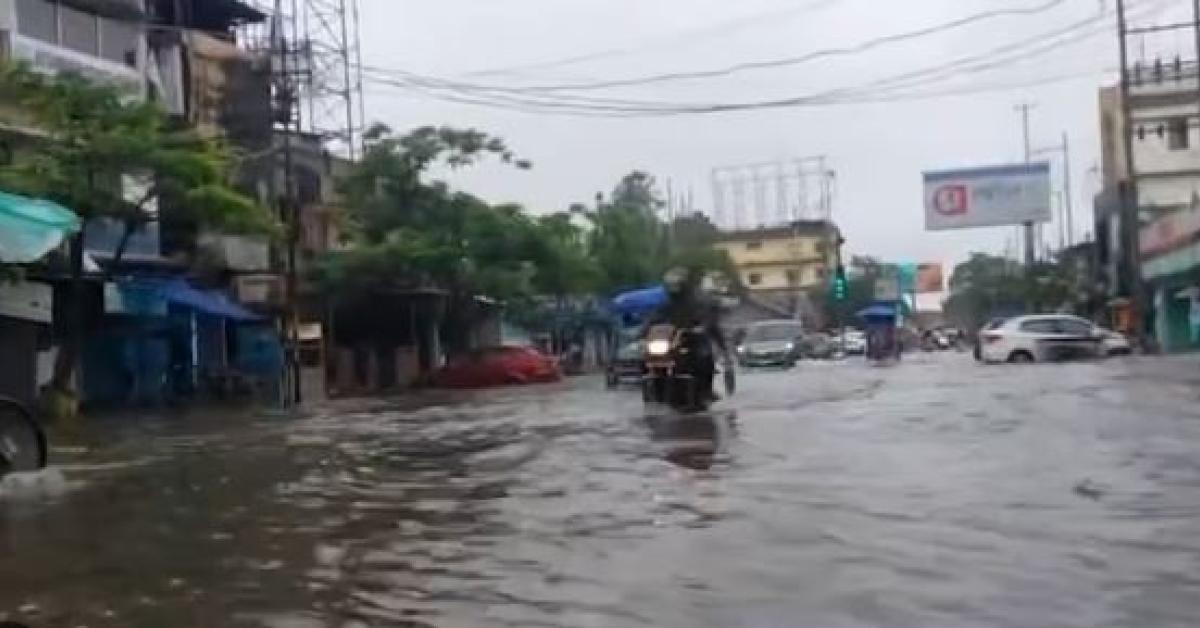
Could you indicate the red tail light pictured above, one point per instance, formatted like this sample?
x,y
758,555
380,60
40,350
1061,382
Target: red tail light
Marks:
x,y
990,338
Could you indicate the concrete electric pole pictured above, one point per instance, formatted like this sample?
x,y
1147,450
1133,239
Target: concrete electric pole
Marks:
x,y
1030,246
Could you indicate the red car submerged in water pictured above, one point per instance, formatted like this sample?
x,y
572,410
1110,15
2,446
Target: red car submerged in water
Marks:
x,y
498,366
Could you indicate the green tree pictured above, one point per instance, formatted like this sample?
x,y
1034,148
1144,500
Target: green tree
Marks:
x,y
92,141
987,285
406,231
692,244
628,240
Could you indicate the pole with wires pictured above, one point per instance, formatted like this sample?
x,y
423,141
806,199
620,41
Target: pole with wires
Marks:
x,y
1130,203
1068,205
1030,250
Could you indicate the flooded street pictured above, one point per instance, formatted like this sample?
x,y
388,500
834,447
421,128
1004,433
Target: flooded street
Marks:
x,y
936,493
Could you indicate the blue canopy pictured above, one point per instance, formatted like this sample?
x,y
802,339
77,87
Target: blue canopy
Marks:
x,y
878,311
639,302
179,292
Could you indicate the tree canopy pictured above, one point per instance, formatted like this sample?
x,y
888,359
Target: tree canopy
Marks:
x,y
107,156
985,286
409,230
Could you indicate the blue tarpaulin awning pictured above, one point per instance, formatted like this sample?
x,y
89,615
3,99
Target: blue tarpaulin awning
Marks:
x,y
181,293
878,311
639,302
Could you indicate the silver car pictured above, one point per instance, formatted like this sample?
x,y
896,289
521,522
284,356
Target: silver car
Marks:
x,y
771,343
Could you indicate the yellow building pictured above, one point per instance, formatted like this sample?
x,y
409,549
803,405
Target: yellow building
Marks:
x,y
786,260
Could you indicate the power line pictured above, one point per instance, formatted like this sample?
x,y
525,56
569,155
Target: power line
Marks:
x,y
481,95
880,90
811,56
686,37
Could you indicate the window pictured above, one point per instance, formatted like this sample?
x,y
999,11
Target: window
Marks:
x,y
1074,327
38,19
1039,326
754,279
80,31
754,246
793,277
119,41
1177,134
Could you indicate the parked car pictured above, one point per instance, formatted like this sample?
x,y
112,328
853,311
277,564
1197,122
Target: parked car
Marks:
x,y
1115,343
819,346
498,366
771,343
628,362
854,342
1039,338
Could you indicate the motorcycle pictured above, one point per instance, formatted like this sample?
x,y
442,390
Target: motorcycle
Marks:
x,y
22,441
671,369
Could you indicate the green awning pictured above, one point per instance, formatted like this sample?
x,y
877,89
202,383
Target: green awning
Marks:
x,y
31,228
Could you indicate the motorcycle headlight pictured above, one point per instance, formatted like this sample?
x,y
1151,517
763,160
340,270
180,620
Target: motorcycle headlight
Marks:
x,y
658,347
741,349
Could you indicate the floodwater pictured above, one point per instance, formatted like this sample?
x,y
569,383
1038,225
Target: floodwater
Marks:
x,y
935,493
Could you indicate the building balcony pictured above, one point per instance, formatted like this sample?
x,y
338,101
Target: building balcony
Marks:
x,y
1164,81
240,254
263,292
53,59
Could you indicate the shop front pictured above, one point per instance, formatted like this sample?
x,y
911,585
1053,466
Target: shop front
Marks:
x,y
1170,249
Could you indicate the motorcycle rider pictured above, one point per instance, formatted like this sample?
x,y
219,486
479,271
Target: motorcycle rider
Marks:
x,y
687,307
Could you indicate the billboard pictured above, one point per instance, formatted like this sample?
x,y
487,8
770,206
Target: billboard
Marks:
x,y
930,279
987,197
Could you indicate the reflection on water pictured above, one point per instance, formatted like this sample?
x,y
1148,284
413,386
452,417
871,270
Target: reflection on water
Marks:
x,y
933,494
694,441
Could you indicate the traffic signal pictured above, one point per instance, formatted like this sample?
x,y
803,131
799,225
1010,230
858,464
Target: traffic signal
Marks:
x,y
841,288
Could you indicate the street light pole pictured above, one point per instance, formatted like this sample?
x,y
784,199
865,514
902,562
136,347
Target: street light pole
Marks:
x,y
1067,191
1028,225
1067,215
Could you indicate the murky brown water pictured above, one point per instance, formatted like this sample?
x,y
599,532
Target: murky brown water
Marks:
x,y
937,493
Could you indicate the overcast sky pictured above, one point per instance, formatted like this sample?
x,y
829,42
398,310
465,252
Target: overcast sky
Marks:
x,y
878,149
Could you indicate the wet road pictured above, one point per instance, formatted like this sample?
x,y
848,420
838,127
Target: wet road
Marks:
x,y
936,493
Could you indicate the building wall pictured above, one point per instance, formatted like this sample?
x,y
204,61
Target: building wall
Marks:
x,y
777,262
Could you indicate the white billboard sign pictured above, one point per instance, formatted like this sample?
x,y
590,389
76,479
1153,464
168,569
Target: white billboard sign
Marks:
x,y
987,197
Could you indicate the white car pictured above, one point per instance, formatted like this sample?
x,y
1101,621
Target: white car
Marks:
x,y
1040,338
1115,343
854,341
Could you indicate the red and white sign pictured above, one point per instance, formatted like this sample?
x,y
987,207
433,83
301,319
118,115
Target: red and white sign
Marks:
x,y
987,197
1170,232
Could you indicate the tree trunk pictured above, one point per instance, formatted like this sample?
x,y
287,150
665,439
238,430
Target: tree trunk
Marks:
x,y
62,399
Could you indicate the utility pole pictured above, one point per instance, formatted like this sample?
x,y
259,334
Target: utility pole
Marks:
x,y
287,119
1062,211
1130,203
1068,205
1066,215
1030,250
